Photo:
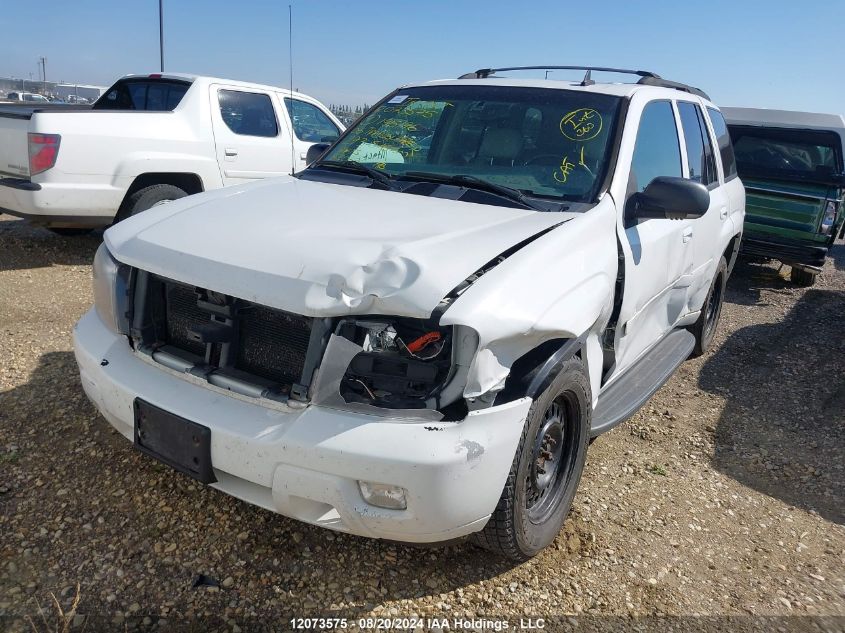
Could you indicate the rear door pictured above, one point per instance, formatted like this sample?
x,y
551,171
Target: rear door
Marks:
x,y
710,227
249,140
311,124
658,253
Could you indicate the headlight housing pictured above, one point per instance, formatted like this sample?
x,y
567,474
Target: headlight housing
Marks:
x,y
111,291
403,363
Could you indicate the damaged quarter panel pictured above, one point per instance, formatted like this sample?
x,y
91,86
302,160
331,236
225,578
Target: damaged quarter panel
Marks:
x,y
559,286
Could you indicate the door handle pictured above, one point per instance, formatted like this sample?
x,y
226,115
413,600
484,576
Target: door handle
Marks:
x,y
687,234
723,213
230,151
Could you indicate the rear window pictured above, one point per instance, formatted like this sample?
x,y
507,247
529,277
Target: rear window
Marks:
x,y
772,152
152,95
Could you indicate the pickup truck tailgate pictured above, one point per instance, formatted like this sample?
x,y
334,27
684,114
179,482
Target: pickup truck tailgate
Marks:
x,y
14,151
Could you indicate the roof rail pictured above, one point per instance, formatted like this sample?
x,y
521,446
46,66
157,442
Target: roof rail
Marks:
x,y
646,77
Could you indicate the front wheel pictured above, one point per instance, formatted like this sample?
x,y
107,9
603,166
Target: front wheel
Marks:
x,y
546,470
704,329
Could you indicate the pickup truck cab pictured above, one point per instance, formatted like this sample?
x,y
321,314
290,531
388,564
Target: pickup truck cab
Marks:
x,y
791,164
416,337
150,139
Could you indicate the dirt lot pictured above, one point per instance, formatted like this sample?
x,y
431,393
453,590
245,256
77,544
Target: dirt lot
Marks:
x,y
723,496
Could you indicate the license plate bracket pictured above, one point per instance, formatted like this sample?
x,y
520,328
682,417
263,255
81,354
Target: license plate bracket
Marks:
x,y
176,441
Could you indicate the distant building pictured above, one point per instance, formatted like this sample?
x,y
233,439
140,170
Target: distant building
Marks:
x,y
50,88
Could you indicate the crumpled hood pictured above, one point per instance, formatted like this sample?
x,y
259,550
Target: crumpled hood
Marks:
x,y
322,249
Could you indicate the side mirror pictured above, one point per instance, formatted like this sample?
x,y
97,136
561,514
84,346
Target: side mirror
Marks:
x,y
315,151
670,198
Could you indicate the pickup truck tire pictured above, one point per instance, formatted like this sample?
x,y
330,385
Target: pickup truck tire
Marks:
x,y
546,469
803,278
704,329
147,198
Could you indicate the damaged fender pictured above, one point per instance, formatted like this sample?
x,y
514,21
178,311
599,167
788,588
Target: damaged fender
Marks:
x,y
560,287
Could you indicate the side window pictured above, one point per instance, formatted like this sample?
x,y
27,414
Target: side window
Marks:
x,y
726,149
310,123
248,113
657,151
702,165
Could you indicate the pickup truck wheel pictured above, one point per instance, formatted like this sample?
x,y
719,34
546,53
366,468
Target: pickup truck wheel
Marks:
x,y
546,469
803,278
147,198
704,329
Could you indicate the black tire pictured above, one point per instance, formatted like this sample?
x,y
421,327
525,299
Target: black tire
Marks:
x,y
69,231
704,329
147,198
535,502
803,278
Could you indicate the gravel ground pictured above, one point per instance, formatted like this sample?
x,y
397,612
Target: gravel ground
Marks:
x,y
722,497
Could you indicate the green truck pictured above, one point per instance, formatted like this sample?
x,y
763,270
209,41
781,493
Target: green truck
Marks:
x,y
791,164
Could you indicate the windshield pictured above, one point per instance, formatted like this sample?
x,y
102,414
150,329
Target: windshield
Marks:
x,y
548,143
783,153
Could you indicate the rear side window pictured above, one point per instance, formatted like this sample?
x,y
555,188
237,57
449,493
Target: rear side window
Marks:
x,y
702,165
723,138
310,123
656,152
152,95
248,113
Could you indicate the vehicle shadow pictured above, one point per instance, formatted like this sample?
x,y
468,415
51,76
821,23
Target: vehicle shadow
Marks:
x,y
23,246
782,431
119,505
750,277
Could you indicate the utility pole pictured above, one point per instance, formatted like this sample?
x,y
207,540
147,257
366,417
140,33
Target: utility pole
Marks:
x,y
43,62
161,33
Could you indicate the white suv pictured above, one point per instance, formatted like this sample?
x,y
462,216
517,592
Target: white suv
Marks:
x,y
416,337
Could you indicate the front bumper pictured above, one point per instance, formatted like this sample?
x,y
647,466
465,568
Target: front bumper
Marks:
x,y
305,464
786,250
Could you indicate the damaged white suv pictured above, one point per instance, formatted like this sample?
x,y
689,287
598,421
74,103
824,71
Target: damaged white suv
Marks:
x,y
416,337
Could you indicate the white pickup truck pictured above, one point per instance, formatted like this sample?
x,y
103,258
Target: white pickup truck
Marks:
x,y
147,140
415,337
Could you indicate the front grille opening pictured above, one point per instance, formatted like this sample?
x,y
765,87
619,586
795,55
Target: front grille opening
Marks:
x,y
273,344
264,346
183,314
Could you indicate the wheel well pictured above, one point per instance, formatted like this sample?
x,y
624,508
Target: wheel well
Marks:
x,y
732,251
536,367
189,183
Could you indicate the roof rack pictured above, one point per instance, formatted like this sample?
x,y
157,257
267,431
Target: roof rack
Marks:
x,y
646,77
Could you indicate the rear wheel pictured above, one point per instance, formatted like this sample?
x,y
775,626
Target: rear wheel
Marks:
x,y
147,198
801,277
546,470
704,329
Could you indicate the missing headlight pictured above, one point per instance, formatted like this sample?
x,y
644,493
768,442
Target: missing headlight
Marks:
x,y
404,362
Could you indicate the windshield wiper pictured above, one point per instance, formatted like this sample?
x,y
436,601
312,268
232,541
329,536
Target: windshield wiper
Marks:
x,y
355,167
473,182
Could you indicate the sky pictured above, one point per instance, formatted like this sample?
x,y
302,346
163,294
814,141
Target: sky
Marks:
x,y
773,54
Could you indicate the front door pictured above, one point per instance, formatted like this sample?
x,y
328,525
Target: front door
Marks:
x,y
310,125
658,253
250,143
